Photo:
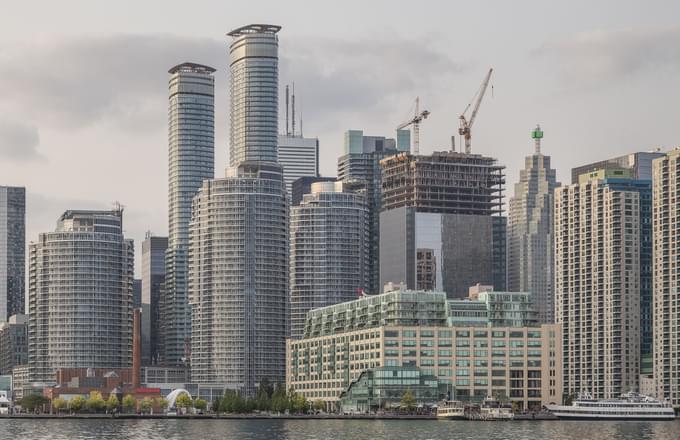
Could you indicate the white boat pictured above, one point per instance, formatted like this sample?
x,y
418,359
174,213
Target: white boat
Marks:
x,y
451,410
492,409
631,406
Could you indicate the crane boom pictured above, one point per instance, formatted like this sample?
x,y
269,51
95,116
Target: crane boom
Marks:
x,y
418,117
465,129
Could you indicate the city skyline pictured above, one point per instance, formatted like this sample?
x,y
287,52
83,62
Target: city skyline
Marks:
x,y
627,56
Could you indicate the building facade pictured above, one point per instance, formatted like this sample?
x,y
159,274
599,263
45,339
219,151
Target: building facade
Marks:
x,y
13,343
238,277
80,295
597,286
328,249
191,139
666,221
639,164
12,250
441,222
299,157
530,232
153,281
303,185
361,161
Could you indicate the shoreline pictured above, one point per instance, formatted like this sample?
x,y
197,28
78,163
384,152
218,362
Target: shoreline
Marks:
x,y
248,417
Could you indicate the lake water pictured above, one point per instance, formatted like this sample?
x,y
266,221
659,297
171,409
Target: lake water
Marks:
x,y
333,429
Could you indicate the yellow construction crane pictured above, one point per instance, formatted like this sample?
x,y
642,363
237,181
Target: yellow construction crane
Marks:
x,y
465,125
418,117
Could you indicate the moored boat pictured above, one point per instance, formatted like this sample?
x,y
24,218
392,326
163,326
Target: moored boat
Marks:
x,y
631,406
451,410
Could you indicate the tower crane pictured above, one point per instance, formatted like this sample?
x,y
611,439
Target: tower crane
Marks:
x,y
418,117
465,125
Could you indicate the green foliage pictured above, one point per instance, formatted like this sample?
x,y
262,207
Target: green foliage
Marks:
x,y
161,403
112,402
95,402
59,404
319,405
76,403
232,402
263,398
299,403
33,402
408,401
184,401
129,402
279,401
200,404
145,404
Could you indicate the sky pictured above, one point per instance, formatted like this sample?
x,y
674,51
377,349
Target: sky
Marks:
x,y
83,85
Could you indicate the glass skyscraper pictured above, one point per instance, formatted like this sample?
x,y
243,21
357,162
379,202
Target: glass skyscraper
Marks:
x,y
191,139
12,250
238,253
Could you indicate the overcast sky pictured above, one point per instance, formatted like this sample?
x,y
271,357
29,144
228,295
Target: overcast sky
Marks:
x,y
83,85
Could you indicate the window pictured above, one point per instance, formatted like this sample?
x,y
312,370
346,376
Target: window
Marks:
x,y
462,363
444,333
463,353
444,362
444,372
498,373
409,333
427,333
481,333
427,353
497,344
427,343
445,353
445,343
392,343
462,343
427,362
462,334
391,333
498,334
516,334
481,363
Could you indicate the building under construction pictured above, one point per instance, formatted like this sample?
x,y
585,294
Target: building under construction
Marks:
x,y
441,223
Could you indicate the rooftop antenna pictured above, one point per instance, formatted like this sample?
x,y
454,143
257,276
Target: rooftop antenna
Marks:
x,y
293,109
287,105
537,135
453,143
301,120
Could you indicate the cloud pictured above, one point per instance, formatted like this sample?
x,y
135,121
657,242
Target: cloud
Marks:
x,y
19,142
599,57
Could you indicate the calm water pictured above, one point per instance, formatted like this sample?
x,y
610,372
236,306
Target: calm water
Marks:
x,y
333,429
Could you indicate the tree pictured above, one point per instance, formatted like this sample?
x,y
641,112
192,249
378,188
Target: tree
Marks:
x,y
145,404
280,401
161,403
33,402
319,405
112,403
299,403
408,401
183,401
59,404
200,404
95,402
76,403
263,398
129,402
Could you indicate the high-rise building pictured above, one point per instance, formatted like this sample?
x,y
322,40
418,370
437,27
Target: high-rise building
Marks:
x,y
303,185
530,232
238,253
639,164
666,222
361,161
191,138
80,295
299,157
441,224
597,282
13,343
153,279
328,249
12,250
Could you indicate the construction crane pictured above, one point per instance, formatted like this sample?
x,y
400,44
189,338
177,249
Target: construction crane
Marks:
x,y
418,117
465,125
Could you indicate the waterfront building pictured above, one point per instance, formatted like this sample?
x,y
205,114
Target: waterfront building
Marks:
x,y
80,295
328,249
13,343
191,139
639,164
12,250
303,185
361,161
153,279
530,232
441,223
597,282
238,252
403,330
299,157
666,223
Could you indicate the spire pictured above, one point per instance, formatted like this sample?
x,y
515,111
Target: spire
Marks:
x,y
537,134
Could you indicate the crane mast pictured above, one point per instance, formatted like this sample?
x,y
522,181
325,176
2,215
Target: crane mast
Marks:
x,y
418,117
465,129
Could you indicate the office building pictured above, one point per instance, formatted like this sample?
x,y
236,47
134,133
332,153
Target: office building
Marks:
x,y
666,304
597,282
238,271
299,157
13,343
191,138
361,161
328,249
12,250
80,295
441,223
639,164
530,232
153,279
345,342
303,185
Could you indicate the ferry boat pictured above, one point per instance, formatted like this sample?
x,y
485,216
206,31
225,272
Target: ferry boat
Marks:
x,y
451,410
492,409
631,406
